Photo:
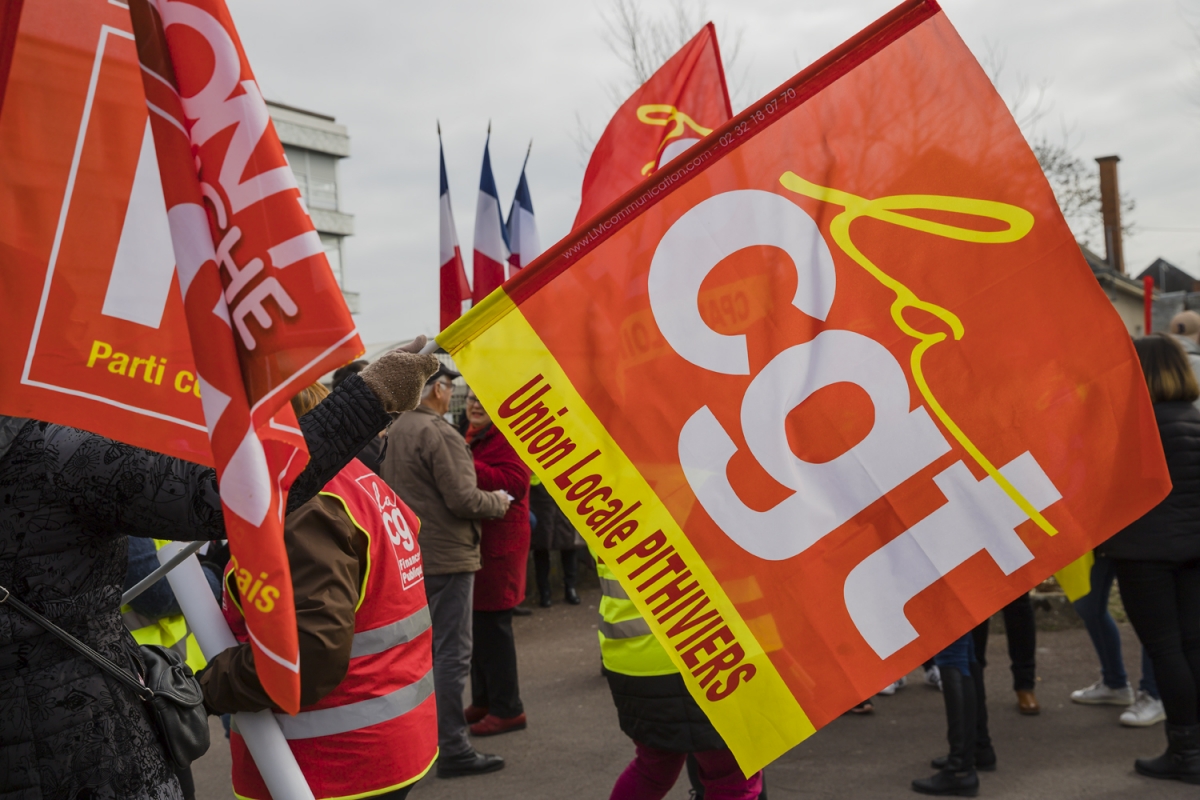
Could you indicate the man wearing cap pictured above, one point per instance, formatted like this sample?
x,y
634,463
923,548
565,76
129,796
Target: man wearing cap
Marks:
x,y
1185,329
430,466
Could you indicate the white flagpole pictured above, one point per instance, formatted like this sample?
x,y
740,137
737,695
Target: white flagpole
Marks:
x,y
270,750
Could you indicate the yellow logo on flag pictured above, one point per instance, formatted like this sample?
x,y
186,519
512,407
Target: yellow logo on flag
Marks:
x,y
663,115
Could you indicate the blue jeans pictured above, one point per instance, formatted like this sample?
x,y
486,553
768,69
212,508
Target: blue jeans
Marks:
x,y
960,654
1093,610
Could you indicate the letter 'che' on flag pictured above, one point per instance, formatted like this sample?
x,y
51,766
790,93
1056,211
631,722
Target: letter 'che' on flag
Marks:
x,y
680,104
454,291
813,392
491,237
162,283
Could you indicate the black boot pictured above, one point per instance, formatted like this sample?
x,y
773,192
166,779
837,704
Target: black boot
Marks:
x,y
570,573
985,754
958,777
1181,762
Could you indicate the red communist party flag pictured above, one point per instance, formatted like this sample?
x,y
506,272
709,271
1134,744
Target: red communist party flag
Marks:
x,y
262,307
93,315
677,107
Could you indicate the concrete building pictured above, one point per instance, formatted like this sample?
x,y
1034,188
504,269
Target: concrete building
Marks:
x,y
314,143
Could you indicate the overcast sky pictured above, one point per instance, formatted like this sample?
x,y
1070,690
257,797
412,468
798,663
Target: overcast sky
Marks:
x,y
1123,74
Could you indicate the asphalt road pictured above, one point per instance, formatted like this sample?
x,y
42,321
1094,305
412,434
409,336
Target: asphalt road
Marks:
x,y
574,749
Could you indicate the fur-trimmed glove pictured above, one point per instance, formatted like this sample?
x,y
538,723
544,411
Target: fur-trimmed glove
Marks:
x,y
397,377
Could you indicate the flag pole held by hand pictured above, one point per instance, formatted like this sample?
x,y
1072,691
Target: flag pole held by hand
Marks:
x,y
261,732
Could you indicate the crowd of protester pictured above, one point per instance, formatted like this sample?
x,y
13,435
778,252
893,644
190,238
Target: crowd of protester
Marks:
x,y
471,516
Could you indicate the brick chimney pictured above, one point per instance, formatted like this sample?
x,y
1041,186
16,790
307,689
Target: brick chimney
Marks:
x,y
1110,210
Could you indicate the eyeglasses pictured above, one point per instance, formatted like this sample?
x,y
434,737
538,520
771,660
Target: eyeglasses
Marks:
x,y
473,400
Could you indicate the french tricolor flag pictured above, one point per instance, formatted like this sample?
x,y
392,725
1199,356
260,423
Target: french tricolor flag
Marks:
x,y
522,226
491,237
455,291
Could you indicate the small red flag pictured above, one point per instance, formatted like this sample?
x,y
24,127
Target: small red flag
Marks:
x,y
677,107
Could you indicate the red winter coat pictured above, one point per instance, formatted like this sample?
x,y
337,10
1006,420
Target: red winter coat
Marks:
x,y
504,544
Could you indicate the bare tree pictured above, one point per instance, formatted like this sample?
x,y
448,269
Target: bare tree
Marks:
x,y
584,138
1075,181
643,41
1027,100
1076,185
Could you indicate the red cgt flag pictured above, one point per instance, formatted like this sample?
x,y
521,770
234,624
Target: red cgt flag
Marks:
x,y
812,392
677,107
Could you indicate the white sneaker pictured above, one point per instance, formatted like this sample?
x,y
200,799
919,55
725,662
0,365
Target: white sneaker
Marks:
x,y
1100,695
933,678
891,688
1144,712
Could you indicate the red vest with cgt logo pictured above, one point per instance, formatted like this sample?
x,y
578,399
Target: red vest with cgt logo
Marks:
x,y
377,731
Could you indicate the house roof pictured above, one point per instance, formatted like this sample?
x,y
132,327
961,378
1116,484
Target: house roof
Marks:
x,y
1109,278
1170,278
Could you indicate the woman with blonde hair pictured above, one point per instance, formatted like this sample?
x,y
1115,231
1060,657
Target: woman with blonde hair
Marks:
x,y
1157,561
309,398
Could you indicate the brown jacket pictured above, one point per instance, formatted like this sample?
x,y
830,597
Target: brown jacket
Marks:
x,y
324,551
430,466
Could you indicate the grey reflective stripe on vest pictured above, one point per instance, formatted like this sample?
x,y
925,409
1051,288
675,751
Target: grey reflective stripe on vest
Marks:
x,y
353,716
181,646
628,629
376,640
613,589
133,620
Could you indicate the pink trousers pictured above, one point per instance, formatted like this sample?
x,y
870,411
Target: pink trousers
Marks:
x,y
653,772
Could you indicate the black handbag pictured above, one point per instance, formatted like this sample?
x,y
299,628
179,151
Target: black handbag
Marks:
x,y
167,688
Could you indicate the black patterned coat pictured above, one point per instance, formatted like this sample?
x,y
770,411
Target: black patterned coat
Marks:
x,y
68,499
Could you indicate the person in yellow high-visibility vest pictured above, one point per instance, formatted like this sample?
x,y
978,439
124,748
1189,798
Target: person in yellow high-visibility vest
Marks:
x,y
656,710
171,632
154,617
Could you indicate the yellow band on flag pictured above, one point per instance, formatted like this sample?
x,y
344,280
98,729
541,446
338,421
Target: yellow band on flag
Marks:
x,y
1076,578
608,500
